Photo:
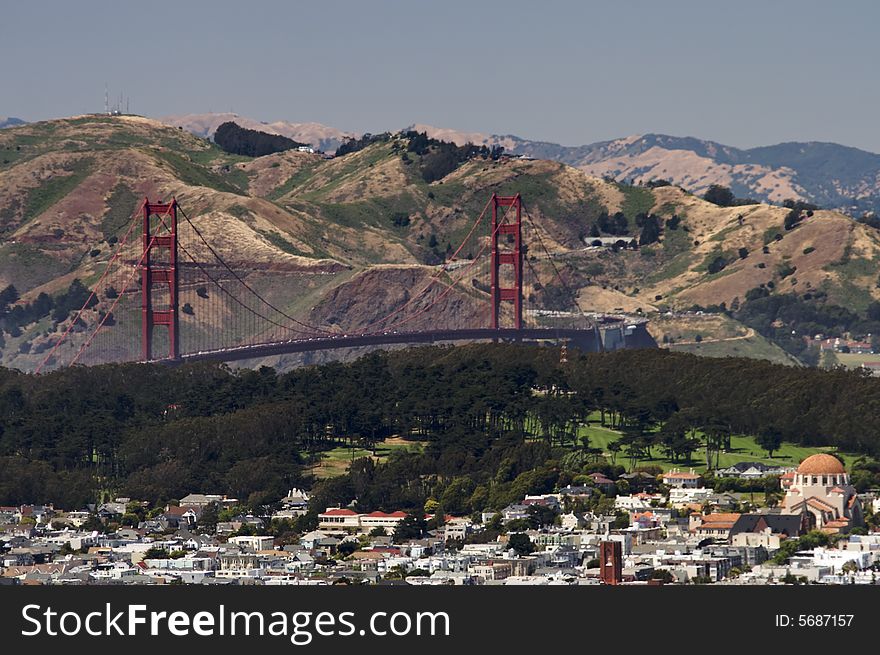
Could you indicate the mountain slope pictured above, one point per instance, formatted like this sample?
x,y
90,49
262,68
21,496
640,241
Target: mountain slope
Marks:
x,y
827,174
319,234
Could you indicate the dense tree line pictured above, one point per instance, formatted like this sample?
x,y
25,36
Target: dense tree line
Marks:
x,y
439,158
496,421
17,316
351,144
251,143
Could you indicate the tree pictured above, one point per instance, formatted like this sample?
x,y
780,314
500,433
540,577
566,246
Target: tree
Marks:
x,y
520,542
413,526
650,230
614,448
8,296
155,553
770,439
743,253
717,265
664,575
209,518
346,548
719,195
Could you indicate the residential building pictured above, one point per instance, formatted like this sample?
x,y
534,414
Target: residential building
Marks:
x,y
681,480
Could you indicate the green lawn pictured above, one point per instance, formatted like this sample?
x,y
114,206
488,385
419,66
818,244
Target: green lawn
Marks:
x,y
854,360
744,449
335,462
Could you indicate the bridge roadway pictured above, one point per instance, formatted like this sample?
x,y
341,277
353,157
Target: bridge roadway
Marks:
x,y
585,338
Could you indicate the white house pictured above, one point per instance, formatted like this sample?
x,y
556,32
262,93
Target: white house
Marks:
x,y
685,495
253,542
682,480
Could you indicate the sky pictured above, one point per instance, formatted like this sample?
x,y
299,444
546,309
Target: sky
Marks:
x,y
742,73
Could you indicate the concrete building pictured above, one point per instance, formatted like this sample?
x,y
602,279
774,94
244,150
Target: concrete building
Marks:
x,y
821,488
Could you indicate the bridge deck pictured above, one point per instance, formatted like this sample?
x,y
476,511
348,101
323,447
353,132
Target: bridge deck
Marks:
x,y
382,339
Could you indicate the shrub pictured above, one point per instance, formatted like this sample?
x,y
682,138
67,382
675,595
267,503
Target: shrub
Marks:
x,y
785,269
719,195
717,265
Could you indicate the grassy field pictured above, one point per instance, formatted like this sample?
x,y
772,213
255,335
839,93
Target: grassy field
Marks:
x,y
755,347
854,360
743,449
335,462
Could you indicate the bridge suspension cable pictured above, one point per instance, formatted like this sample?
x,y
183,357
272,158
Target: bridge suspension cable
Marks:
x,y
314,329
88,342
556,270
451,286
93,292
433,276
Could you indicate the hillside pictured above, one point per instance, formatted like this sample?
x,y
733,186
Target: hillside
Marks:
x,y
321,233
826,174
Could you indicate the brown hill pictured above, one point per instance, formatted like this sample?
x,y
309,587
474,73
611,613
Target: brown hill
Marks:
x,y
367,221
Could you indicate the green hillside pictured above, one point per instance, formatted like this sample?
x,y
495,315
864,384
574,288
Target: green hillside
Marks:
x,y
69,187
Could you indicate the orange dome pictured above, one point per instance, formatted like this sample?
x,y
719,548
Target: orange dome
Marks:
x,y
821,464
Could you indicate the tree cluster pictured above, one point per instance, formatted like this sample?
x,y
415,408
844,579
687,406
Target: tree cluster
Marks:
x,y
722,196
12,319
251,143
351,144
439,158
495,422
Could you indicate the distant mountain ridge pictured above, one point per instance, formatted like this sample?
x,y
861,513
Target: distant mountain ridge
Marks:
x,y
10,121
317,135
827,174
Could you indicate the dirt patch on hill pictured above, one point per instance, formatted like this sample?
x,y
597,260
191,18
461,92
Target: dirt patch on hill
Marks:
x,y
597,299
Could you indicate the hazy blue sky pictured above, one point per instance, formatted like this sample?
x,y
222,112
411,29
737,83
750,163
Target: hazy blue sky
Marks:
x,y
744,73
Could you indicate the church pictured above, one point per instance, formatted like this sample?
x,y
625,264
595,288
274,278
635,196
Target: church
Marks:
x,y
821,489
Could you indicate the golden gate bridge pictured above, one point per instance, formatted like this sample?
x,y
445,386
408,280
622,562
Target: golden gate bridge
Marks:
x,y
167,294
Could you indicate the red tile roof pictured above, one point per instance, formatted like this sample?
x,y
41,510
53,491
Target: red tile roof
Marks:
x,y
382,515
338,512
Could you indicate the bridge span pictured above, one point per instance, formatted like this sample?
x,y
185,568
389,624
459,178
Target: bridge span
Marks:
x,y
609,336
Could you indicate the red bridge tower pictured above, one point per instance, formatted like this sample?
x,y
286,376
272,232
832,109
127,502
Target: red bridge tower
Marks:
x,y
159,235
507,257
